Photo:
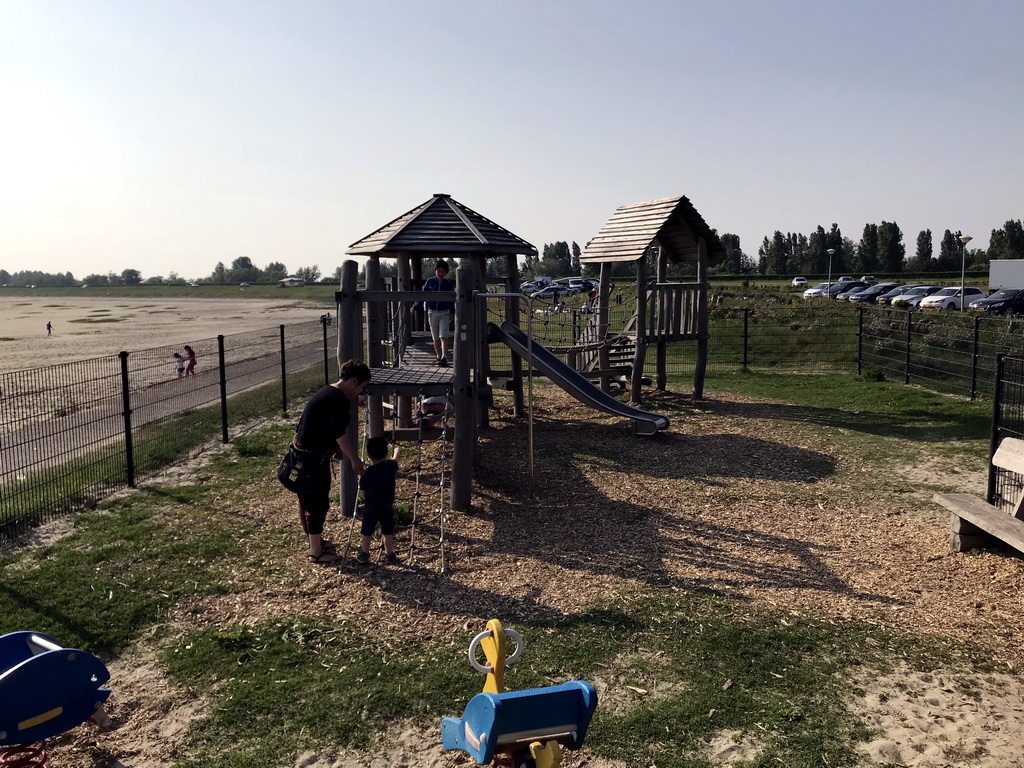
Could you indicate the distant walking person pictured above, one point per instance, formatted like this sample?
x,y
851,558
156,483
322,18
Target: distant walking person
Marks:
x,y
190,368
179,364
49,328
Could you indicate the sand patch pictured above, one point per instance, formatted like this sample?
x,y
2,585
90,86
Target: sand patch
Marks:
x,y
941,719
88,327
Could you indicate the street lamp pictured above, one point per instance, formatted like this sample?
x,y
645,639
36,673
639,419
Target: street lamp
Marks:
x,y
965,239
830,251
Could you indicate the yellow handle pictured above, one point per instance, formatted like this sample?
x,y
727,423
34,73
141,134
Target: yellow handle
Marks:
x,y
494,652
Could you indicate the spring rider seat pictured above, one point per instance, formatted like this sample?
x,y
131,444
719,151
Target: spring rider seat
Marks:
x,y
520,729
45,689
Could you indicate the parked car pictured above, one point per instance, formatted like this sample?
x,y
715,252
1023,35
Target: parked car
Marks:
x,y
912,296
949,298
799,282
870,295
245,285
845,279
869,279
1008,301
902,290
838,289
549,292
816,292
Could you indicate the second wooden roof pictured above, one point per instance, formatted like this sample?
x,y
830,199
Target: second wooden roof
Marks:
x,y
672,222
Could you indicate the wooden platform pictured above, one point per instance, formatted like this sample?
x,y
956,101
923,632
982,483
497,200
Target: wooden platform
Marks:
x,y
420,374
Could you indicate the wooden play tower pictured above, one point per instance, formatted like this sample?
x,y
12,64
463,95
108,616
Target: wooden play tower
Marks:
x,y
666,231
377,324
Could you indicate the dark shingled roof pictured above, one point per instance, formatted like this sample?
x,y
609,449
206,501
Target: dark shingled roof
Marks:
x,y
441,225
673,222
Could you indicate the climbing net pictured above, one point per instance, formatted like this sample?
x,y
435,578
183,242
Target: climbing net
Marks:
x,y
422,495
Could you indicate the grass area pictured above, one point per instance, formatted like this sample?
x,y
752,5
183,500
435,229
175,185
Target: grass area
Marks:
x,y
698,664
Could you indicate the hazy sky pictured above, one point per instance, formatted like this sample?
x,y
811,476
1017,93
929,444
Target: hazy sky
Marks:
x,y
172,135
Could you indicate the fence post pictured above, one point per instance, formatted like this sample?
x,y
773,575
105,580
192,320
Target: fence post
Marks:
x,y
327,366
746,336
860,339
974,358
284,377
126,402
223,390
997,401
906,371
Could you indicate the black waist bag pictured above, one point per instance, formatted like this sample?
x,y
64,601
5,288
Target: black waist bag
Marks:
x,y
299,469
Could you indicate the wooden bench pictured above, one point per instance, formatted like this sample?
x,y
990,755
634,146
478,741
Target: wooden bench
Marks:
x,y
974,523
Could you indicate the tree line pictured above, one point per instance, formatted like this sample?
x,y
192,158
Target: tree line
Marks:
x,y
880,249
242,270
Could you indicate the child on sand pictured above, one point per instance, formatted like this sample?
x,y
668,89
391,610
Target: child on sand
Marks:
x,y
179,363
378,485
190,369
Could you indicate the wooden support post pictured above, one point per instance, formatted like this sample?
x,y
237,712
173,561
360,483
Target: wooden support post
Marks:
x,y
512,316
462,395
418,317
700,368
405,409
661,315
375,326
350,342
603,298
482,347
636,385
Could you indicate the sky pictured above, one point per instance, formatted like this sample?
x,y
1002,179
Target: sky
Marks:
x,y
169,136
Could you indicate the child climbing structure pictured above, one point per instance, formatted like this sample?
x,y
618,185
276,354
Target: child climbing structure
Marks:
x,y
385,325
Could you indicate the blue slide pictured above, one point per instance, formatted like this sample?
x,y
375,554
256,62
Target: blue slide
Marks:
x,y
575,383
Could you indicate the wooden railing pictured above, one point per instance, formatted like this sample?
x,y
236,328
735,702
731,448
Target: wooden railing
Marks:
x,y
673,311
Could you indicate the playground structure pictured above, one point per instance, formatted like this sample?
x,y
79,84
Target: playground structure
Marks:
x,y
376,322
45,690
524,729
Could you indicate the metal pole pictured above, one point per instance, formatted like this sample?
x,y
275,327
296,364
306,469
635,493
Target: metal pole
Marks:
x,y
223,390
997,401
126,402
974,358
860,339
284,377
746,335
906,371
327,366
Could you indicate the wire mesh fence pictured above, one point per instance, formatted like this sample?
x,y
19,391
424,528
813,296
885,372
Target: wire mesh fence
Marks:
x,y
71,433
1004,486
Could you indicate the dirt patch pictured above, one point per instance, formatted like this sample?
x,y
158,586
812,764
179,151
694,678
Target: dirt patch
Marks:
x,y
149,719
942,719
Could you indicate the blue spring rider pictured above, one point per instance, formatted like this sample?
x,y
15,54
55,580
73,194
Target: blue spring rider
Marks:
x,y
521,729
45,689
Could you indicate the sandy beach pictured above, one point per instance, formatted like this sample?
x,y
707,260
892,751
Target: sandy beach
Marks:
x,y
89,327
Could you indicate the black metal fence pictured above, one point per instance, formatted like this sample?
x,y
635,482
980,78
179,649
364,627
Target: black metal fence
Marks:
x,y
1005,487
944,351
70,433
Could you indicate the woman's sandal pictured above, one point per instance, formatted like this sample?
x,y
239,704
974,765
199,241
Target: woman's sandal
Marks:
x,y
325,558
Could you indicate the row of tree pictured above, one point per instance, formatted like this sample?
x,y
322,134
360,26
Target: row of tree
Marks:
x,y
242,270
880,249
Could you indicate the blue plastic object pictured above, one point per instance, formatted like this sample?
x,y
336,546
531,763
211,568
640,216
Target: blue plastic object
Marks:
x,y
508,722
45,689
